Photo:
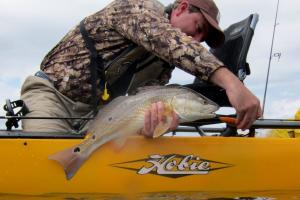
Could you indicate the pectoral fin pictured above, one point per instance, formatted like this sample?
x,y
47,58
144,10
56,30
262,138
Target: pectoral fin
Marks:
x,y
164,126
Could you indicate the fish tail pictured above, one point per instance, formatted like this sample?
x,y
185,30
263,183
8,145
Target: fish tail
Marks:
x,y
70,159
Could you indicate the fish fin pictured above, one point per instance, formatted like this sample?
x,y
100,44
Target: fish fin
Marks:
x,y
70,160
148,88
157,87
164,126
119,143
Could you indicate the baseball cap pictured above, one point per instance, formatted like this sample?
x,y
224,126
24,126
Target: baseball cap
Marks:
x,y
211,13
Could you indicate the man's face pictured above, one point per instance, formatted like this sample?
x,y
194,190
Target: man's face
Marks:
x,y
193,24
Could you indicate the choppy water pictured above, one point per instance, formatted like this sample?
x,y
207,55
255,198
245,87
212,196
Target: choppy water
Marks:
x,y
267,195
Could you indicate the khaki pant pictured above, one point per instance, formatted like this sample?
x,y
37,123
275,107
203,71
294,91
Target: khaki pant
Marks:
x,y
43,100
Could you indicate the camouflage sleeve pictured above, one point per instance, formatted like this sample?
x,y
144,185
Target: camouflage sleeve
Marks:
x,y
145,25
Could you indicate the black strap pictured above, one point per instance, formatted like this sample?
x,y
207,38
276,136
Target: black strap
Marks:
x,y
120,86
96,64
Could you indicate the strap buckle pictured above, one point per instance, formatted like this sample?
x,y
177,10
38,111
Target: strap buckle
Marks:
x,y
9,107
105,96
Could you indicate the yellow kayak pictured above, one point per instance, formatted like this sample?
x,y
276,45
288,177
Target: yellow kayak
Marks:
x,y
286,133
143,165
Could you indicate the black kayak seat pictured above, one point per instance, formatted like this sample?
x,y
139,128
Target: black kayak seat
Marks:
x,y
233,53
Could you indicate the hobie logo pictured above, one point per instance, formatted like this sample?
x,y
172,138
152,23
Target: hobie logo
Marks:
x,y
173,166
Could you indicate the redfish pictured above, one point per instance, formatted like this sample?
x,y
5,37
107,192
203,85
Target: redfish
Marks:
x,y
124,116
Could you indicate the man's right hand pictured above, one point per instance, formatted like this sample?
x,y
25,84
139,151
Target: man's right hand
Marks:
x,y
247,105
154,116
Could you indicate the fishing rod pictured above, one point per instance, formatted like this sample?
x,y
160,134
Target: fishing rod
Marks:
x,y
231,122
13,120
257,124
231,128
267,123
229,119
204,121
196,126
270,59
66,118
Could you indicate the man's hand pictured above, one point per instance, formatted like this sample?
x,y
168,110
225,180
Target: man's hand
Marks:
x,y
154,116
247,105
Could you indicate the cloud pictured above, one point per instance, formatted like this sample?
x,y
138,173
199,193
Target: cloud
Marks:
x,y
283,108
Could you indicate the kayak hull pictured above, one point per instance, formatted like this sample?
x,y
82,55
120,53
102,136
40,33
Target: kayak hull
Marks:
x,y
153,165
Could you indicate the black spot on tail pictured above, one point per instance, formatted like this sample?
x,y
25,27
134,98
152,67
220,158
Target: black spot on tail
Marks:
x,y
77,149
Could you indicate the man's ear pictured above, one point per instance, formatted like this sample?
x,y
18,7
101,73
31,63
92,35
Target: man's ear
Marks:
x,y
182,7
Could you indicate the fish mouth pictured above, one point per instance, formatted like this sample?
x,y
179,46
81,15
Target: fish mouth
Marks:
x,y
213,114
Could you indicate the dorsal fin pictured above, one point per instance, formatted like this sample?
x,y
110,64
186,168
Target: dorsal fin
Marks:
x,y
148,88
156,87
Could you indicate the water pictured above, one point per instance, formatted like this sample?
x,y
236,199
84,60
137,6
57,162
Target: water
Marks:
x,y
267,195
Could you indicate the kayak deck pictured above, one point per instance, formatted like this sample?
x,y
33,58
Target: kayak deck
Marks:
x,y
153,165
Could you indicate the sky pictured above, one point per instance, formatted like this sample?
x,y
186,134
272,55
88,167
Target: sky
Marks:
x,y
31,28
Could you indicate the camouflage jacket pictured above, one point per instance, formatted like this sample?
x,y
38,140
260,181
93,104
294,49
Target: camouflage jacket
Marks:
x,y
113,29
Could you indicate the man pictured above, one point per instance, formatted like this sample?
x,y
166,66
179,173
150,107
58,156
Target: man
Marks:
x,y
128,44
